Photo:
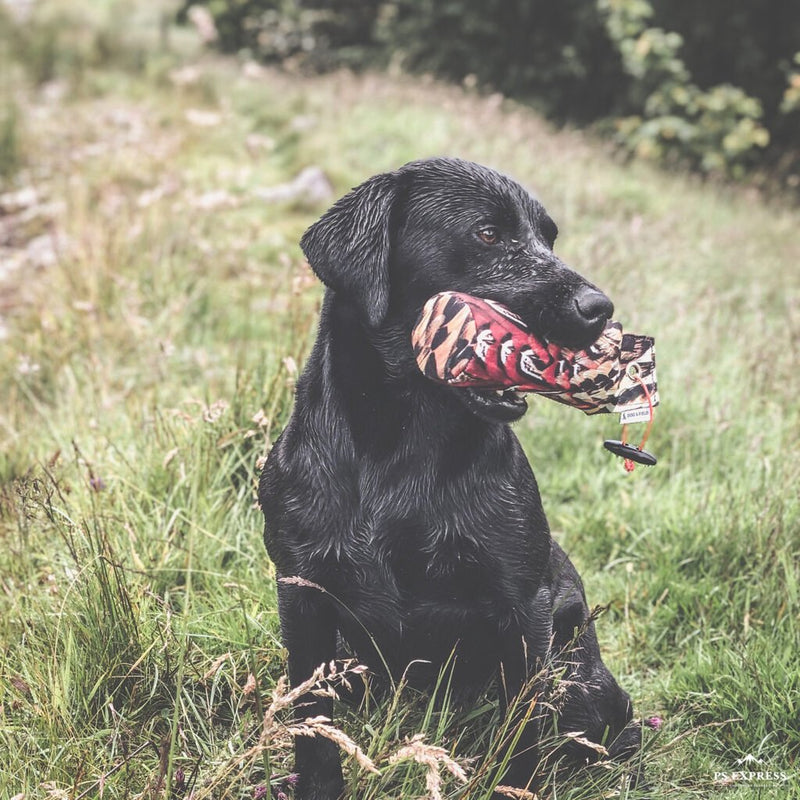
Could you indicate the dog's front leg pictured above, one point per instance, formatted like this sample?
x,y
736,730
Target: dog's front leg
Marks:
x,y
524,656
308,627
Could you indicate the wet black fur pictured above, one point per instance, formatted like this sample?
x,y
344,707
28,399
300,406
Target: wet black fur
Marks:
x,y
413,504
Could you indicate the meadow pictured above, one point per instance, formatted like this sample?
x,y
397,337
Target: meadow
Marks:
x,y
155,309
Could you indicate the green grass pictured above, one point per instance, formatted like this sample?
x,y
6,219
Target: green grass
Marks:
x,y
147,364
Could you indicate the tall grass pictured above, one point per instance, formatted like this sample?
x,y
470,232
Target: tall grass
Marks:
x,y
148,363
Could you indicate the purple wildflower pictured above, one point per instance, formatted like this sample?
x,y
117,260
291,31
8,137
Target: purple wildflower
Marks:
x,y
180,780
654,722
260,792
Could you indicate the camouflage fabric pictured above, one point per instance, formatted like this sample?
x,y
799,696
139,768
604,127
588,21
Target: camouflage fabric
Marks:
x,y
464,341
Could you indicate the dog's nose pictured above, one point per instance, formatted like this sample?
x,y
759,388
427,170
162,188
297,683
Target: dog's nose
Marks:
x,y
593,306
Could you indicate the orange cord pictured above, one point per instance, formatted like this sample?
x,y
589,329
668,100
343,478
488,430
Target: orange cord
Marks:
x,y
629,465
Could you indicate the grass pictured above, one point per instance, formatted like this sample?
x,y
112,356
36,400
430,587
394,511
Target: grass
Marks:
x,y
153,312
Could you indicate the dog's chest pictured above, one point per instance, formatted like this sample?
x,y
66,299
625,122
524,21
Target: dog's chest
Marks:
x,y
427,556
434,539
433,532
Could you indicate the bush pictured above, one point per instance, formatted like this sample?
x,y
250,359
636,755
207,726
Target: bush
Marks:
x,y
790,101
711,86
716,130
313,35
557,54
747,44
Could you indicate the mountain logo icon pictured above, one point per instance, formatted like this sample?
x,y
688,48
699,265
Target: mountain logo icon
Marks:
x,y
749,759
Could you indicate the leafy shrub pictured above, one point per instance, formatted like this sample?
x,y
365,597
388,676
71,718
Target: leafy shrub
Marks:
x,y
791,96
557,54
711,86
315,35
716,130
270,29
747,44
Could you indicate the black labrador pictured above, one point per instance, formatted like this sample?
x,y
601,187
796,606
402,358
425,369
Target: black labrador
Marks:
x,y
412,503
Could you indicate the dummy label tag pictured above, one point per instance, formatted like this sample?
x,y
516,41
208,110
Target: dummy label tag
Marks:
x,y
641,414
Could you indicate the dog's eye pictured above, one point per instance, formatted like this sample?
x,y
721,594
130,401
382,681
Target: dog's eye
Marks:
x,y
489,235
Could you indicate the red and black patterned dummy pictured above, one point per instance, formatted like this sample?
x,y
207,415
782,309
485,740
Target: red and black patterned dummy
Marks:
x,y
460,340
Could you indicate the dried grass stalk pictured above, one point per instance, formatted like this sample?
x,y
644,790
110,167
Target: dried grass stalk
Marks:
x,y
432,757
321,726
515,793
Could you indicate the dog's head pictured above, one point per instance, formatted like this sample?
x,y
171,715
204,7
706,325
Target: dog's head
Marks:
x,y
445,224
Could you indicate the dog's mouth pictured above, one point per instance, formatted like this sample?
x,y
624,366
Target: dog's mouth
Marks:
x,y
494,405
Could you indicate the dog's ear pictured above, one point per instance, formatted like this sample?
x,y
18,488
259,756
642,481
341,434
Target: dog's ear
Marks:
x,y
348,247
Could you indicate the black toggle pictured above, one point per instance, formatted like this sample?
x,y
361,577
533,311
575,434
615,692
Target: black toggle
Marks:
x,y
630,451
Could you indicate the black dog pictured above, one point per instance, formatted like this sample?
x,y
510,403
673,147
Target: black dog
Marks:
x,y
413,504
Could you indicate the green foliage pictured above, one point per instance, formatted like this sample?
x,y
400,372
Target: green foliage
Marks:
x,y
267,28
649,69
749,45
790,102
554,53
716,130
311,35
